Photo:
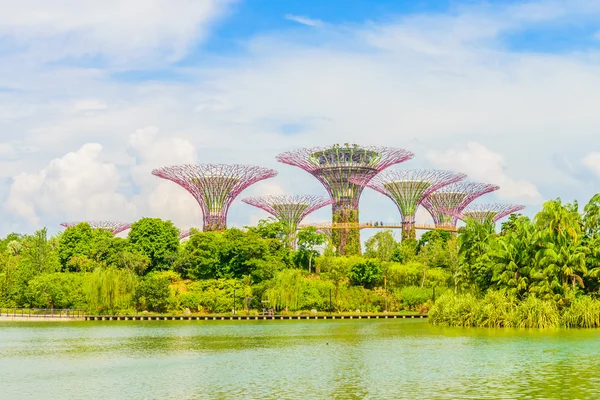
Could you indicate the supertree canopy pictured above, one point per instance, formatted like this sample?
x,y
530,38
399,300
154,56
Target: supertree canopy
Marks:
x,y
115,227
289,209
214,186
488,212
408,188
453,198
334,166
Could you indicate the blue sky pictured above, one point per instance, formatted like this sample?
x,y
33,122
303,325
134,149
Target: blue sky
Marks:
x,y
93,95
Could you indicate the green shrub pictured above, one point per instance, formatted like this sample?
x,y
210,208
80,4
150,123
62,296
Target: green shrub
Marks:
x,y
496,310
535,313
436,277
213,296
413,296
455,310
583,313
358,298
401,275
366,273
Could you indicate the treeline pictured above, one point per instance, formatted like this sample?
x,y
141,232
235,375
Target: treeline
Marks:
x,y
151,270
540,272
536,272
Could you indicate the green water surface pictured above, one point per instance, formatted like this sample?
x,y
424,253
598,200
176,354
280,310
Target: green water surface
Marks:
x,y
312,359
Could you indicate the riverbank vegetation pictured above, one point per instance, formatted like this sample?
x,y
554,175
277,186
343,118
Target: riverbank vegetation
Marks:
x,y
539,272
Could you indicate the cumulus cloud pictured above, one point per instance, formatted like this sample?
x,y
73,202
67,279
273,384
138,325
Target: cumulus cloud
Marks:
x,y
79,185
422,82
157,197
483,165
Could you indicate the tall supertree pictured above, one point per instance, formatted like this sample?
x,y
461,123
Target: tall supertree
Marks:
x,y
289,209
487,212
214,186
333,166
115,227
407,189
454,198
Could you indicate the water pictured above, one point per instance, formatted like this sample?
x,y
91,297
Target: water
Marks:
x,y
293,359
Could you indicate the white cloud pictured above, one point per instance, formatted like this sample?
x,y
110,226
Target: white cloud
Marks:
x,y
304,20
592,162
79,185
421,82
158,197
483,165
125,30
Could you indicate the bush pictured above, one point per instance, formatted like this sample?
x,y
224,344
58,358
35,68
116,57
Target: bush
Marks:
x,y
293,290
413,296
212,296
536,313
496,309
583,313
401,275
453,310
366,273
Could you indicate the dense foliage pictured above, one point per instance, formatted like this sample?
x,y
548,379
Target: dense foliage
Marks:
x,y
533,273
538,272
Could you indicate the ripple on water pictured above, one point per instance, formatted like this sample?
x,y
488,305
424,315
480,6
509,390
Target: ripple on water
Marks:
x,y
294,359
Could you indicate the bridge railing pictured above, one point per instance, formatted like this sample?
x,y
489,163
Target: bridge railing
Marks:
x,y
376,225
41,312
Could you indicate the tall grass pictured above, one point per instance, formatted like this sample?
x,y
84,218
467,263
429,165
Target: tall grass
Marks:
x,y
536,313
496,309
452,310
583,313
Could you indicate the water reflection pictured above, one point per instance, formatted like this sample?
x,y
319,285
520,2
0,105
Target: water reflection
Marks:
x,y
294,359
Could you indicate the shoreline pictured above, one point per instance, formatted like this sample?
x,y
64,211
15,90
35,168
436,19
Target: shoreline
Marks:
x,y
210,317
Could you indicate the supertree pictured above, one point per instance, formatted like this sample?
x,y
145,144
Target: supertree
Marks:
x,y
407,189
115,227
487,212
214,186
333,166
289,209
453,198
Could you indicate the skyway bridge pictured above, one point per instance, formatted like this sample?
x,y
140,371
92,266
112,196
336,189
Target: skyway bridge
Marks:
x,y
373,225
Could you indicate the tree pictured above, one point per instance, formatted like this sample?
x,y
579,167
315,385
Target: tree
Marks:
x,y
270,228
154,292
75,241
382,246
200,257
156,239
473,245
39,253
308,239
366,273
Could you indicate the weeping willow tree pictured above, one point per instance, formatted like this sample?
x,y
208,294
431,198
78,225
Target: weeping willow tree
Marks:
x,y
110,289
286,290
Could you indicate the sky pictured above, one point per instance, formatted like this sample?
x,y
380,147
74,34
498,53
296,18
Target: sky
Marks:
x,y
95,94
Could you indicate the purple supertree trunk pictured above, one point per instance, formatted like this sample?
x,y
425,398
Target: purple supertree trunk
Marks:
x,y
289,209
408,188
115,227
214,186
334,167
453,199
487,212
